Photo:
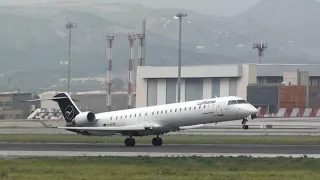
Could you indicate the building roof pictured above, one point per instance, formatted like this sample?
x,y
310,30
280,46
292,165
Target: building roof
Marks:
x,y
279,69
212,70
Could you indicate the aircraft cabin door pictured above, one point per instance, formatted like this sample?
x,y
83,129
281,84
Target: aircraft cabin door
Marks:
x,y
145,117
219,107
140,117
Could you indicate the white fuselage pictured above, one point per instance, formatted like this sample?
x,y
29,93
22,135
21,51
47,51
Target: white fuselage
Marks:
x,y
170,117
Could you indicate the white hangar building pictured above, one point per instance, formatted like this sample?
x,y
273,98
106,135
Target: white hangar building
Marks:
x,y
158,85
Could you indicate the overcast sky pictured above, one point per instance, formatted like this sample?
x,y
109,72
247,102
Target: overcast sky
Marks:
x,y
213,7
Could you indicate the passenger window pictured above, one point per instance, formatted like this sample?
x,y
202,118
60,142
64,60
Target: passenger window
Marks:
x,y
166,111
157,112
171,110
126,116
232,102
146,114
135,115
139,114
195,107
176,110
120,117
152,113
130,115
199,107
117,117
185,109
111,118
204,106
180,109
190,108
161,112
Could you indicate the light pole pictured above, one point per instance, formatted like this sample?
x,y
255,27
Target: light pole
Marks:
x,y
69,26
180,16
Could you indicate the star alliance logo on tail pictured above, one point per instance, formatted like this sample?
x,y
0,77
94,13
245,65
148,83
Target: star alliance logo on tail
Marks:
x,y
69,112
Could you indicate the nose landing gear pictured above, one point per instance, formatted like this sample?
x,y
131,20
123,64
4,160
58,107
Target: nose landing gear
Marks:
x,y
244,124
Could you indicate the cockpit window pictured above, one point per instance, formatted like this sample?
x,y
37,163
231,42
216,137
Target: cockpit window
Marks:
x,y
232,102
241,102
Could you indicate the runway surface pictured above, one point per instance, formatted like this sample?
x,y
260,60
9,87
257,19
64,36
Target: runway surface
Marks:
x,y
78,149
211,131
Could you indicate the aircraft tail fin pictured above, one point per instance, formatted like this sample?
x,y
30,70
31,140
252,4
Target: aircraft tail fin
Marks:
x,y
67,106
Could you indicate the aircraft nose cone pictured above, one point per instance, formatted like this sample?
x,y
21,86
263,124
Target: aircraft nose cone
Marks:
x,y
249,110
253,110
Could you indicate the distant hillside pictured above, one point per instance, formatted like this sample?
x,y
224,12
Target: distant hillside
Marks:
x,y
34,39
290,26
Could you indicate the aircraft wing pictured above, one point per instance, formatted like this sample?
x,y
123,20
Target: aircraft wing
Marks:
x,y
112,128
191,127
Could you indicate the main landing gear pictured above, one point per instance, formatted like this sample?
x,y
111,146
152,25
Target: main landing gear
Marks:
x,y
244,124
130,142
157,141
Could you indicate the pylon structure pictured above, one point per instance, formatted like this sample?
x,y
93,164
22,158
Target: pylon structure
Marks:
x,y
141,37
110,38
260,46
142,51
131,38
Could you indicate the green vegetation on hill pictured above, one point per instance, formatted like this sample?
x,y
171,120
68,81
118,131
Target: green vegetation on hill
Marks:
x,y
219,168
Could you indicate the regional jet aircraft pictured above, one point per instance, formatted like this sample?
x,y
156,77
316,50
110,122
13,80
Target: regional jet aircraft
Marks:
x,y
153,120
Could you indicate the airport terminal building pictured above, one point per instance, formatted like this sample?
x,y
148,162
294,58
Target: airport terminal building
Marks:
x,y
157,85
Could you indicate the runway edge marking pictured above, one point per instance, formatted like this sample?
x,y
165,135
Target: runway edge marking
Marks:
x,y
136,154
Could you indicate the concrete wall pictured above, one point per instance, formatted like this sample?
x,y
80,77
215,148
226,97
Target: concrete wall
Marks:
x,y
95,102
48,104
219,80
24,107
314,97
12,107
263,95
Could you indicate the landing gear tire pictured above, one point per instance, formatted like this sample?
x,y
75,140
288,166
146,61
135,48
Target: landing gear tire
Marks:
x,y
130,142
157,141
244,124
245,127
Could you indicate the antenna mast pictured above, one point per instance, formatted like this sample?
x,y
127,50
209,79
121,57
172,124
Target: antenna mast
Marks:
x,y
260,46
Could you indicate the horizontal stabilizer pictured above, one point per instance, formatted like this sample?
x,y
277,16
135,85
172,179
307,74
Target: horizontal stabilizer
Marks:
x,y
54,98
45,99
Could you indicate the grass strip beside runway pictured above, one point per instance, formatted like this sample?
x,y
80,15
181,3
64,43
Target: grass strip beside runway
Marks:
x,y
167,139
218,168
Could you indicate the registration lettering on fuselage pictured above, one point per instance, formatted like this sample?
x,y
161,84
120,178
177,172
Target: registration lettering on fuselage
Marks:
x,y
206,102
111,124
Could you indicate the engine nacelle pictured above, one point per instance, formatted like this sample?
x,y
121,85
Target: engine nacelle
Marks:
x,y
85,118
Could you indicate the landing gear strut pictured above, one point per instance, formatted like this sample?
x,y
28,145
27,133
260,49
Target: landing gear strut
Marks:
x,y
244,124
157,141
130,142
